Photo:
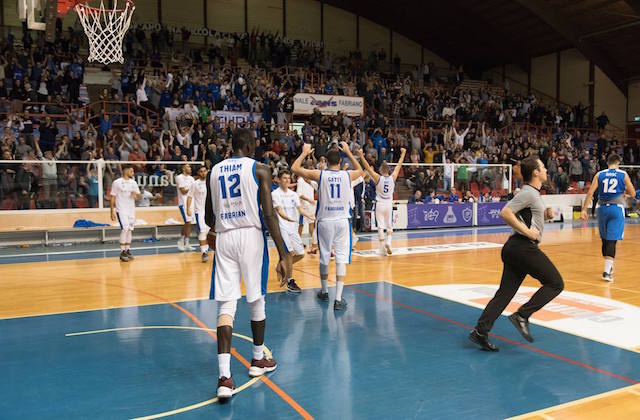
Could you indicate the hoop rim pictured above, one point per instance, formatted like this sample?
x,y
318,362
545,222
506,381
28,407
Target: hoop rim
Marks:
x,y
83,4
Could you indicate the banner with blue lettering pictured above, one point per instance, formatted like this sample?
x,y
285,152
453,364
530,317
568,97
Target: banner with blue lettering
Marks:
x,y
439,215
305,103
489,214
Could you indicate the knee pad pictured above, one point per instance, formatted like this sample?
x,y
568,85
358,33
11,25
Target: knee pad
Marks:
x,y
610,249
341,269
257,309
227,313
324,270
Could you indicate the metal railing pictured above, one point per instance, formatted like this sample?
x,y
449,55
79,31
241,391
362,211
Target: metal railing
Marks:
x,y
58,184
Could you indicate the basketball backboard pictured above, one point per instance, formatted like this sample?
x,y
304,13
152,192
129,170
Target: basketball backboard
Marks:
x,y
39,15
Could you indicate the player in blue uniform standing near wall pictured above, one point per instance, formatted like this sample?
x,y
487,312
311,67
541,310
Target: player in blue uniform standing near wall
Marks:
x,y
612,184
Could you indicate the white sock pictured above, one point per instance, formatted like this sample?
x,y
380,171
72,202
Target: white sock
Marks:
x,y
388,240
186,241
258,352
339,287
127,247
123,237
608,266
129,234
122,247
324,285
224,365
182,240
380,235
204,248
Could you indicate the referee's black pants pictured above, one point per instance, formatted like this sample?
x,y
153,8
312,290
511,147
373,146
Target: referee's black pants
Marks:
x,y
521,256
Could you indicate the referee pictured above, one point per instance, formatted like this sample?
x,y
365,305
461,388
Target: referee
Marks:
x,y
526,214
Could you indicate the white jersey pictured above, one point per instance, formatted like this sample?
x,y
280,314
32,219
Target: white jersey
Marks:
x,y
198,194
335,196
289,202
384,189
306,189
123,190
183,181
234,195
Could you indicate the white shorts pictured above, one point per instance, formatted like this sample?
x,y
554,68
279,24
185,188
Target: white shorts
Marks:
x,y
384,215
292,242
203,228
311,209
127,220
336,233
183,213
240,253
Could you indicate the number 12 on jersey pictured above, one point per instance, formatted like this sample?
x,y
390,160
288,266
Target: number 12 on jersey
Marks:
x,y
610,185
234,188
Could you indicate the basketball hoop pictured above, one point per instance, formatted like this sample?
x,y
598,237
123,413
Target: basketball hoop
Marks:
x,y
105,28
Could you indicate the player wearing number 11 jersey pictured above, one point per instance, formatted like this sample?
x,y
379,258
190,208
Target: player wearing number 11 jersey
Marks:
x,y
335,201
612,184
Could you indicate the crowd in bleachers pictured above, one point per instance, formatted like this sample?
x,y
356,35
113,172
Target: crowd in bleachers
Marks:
x,y
173,92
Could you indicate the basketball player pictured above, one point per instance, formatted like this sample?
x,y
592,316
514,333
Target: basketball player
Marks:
x,y
305,190
526,214
287,204
124,193
332,215
385,185
354,184
237,207
611,184
183,184
196,200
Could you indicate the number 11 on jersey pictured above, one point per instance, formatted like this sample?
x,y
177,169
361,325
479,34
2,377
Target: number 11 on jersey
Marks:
x,y
335,190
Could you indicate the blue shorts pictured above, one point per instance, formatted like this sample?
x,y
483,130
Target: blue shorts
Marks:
x,y
611,222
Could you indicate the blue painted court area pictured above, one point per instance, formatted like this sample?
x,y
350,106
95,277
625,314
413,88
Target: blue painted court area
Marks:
x,y
395,353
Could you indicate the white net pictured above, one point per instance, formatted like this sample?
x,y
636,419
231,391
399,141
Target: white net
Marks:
x,y
105,29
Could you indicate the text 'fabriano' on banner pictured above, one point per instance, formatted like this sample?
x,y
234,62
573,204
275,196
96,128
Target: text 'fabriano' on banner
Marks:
x,y
305,103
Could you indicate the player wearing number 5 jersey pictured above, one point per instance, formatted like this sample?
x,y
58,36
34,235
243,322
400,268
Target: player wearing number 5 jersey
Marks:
x,y
196,201
612,184
332,215
238,206
385,185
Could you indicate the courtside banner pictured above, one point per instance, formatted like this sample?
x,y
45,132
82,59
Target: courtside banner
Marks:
x,y
489,214
439,215
305,103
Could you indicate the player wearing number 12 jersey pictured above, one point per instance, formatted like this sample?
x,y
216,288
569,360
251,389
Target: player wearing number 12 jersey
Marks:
x,y
612,184
335,201
238,206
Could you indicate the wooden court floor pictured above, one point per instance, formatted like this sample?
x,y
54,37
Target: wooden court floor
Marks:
x,y
30,289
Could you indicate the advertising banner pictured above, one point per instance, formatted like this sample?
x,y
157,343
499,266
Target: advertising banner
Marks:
x,y
305,103
439,215
489,214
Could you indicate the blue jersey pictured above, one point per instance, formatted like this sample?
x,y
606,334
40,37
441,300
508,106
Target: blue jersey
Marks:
x,y
611,185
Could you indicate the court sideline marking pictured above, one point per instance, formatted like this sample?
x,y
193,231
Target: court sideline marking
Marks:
x,y
177,327
547,412
468,327
303,413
